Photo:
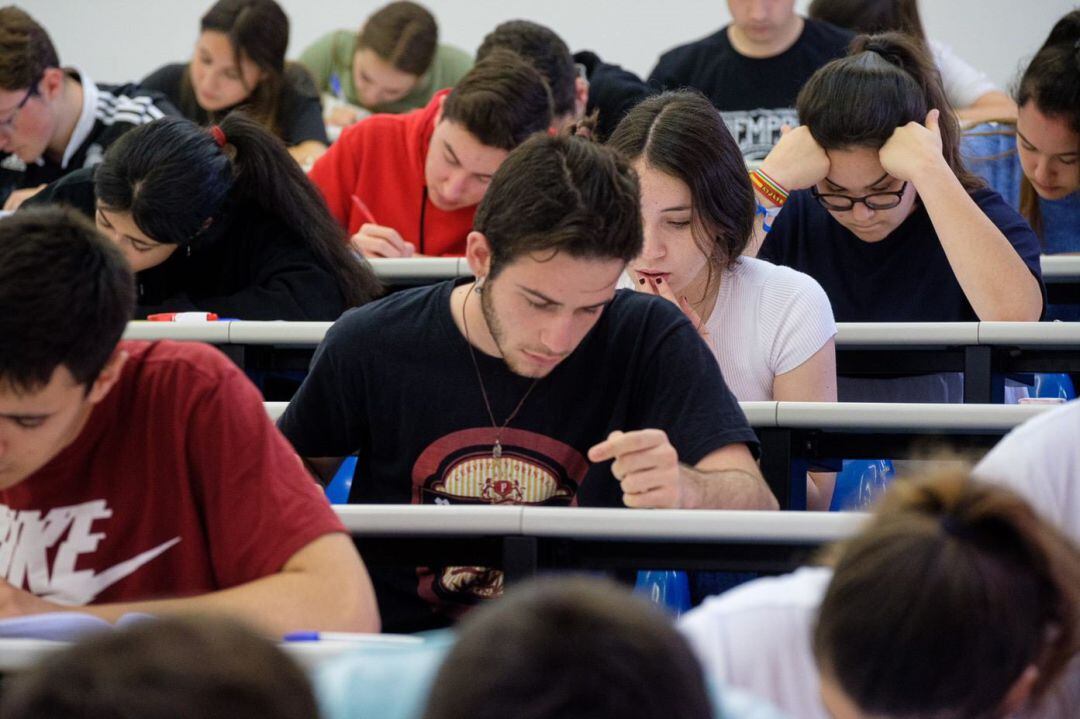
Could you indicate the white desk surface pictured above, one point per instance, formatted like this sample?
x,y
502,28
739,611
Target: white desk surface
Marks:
x,y
1065,335
689,525
904,417
1058,269
20,654
862,416
430,519
212,332
850,335
420,268
589,523
291,333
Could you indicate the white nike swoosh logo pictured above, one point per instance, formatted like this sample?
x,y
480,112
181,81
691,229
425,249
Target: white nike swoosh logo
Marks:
x,y
77,590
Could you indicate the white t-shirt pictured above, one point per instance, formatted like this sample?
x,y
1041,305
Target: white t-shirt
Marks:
x,y
1040,460
757,638
767,321
963,83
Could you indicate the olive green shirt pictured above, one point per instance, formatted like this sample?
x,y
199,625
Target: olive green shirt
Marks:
x,y
333,54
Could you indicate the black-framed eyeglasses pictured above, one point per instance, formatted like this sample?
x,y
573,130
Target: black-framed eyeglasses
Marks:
x,y
874,201
6,125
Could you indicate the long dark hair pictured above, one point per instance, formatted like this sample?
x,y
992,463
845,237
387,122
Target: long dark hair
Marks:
x,y
682,135
943,600
1052,81
179,186
259,31
885,82
871,16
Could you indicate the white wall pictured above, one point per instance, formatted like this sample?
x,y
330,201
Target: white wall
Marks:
x,y
116,40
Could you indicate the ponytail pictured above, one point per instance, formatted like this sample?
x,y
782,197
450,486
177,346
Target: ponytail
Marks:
x,y
271,180
182,183
885,82
947,596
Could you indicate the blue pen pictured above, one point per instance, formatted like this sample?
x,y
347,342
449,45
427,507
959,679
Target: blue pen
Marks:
x,y
351,637
335,86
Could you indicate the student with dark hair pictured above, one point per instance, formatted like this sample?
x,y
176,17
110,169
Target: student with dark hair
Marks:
x,y
54,120
955,600
409,184
504,374
548,53
770,328
239,61
569,649
120,476
882,212
1035,164
164,669
581,84
752,69
394,64
970,92
219,220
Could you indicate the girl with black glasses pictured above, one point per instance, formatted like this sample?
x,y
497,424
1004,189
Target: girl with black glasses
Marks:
x,y
878,207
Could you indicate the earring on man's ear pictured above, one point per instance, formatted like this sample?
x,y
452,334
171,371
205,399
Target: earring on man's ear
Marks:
x,y
479,286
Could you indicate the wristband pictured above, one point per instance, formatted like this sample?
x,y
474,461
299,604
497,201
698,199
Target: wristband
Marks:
x,y
768,188
768,214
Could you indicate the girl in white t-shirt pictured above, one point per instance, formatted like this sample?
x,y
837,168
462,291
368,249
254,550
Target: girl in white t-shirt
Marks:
x,y
954,601
771,328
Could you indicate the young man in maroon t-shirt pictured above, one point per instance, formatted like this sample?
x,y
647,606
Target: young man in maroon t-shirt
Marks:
x,y
146,476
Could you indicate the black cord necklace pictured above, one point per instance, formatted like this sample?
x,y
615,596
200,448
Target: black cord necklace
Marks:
x,y
423,217
496,449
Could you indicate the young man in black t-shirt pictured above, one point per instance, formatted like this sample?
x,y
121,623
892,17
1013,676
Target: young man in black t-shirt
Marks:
x,y
523,386
53,120
753,69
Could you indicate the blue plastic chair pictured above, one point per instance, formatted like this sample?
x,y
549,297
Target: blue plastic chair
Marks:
x,y
1053,384
338,489
668,588
860,482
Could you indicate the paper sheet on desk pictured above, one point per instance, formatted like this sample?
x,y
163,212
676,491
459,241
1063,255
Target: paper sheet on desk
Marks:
x,y
61,626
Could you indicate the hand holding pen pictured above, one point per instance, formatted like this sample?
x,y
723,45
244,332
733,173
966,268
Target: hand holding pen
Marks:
x,y
375,240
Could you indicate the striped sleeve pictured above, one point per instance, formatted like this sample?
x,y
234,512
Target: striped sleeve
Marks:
x,y
130,105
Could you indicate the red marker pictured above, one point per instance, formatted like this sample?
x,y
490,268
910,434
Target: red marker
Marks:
x,y
183,317
364,210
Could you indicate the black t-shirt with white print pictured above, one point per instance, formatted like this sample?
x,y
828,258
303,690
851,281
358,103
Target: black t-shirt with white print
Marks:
x,y
393,382
755,96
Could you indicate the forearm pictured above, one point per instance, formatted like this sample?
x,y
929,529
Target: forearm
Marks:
x,y
335,597
726,489
307,152
994,278
759,233
992,107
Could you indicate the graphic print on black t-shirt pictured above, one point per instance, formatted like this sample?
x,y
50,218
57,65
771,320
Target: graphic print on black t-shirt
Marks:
x,y
756,131
461,468
408,404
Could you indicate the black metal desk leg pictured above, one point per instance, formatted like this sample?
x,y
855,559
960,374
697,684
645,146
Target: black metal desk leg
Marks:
x,y
981,385
776,465
519,559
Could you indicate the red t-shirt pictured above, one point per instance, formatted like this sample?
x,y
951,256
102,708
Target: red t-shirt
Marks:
x,y
179,484
381,161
